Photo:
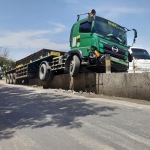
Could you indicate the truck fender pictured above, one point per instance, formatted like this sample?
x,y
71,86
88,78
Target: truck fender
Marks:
x,y
69,57
77,52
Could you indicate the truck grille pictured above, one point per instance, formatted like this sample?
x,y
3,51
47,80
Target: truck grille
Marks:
x,y
120,54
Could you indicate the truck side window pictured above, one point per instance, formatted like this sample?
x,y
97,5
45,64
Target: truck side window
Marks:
x,y
85,27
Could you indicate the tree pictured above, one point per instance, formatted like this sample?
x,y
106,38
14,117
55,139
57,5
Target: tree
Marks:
x,y
5,62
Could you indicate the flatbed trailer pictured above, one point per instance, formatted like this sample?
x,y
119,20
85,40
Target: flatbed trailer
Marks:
x,y
37,65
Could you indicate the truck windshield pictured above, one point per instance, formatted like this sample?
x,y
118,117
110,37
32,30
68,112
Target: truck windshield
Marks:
x,y
110,30
140,53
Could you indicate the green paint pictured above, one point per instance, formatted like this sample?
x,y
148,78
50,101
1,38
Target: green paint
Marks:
x,y
119,61
101,45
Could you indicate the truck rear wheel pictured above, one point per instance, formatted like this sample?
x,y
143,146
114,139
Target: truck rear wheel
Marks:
x,y
14,78
11,78
74,66
8,78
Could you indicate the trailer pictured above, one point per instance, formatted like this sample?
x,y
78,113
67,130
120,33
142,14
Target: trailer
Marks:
x,y
42,64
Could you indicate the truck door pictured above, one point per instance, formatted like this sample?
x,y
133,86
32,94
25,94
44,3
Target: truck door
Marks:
x,y
85,37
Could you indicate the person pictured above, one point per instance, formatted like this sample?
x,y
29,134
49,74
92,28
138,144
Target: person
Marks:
x,y
91,15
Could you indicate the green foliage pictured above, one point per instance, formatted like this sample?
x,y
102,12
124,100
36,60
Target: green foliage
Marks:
x,y
5,62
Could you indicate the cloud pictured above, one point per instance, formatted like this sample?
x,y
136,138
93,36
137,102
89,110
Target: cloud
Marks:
x,y
33,39
58,27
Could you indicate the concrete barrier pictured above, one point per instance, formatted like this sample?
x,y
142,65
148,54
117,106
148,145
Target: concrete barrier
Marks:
x,y
134,85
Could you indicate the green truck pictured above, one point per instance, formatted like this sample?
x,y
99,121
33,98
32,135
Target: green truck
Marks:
x,y
91,39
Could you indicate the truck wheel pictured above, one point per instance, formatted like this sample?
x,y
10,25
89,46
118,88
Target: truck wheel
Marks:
x,y
44,73
14,78
74,66
11,78
8,78
50,75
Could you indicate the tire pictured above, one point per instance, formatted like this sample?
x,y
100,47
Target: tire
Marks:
x,y
11,78
50,75
44,73
45,86
74,66
14,78
8,78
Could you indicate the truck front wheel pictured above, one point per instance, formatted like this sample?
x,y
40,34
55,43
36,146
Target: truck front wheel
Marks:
x,y
74,66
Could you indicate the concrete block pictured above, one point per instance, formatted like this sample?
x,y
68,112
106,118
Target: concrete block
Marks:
x,y
130,85
99,83
90,82
78,83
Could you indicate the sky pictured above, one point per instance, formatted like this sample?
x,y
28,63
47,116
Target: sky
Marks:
x,y
27,26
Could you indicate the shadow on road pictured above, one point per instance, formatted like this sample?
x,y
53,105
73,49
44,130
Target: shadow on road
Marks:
x,y
22,108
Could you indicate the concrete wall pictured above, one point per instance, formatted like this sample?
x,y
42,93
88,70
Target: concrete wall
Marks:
x,y
84,82
135,86
60,81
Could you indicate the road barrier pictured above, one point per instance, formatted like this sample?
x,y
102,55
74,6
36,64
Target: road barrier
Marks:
x,y
136,86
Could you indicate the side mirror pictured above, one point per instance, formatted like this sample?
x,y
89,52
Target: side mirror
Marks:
x,y
135,33
130,57
135,36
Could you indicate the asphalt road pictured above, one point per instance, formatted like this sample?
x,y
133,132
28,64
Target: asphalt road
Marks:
x,y
37,119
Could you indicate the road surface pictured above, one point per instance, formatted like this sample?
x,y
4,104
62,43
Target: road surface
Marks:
x,y
32,118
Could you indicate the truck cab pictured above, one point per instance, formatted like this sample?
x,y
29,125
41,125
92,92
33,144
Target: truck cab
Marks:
x,y
92,40
141,60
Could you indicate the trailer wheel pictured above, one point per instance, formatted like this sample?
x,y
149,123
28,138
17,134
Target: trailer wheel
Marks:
x,y
14,78
50,75
11,78
44,73
74,66
8,78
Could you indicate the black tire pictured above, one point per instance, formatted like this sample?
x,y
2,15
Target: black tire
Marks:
x,y
14,78
74,66
44,73
45,86
8,78
11,78
50,75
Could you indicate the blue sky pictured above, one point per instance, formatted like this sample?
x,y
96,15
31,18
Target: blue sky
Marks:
x,y
27,26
